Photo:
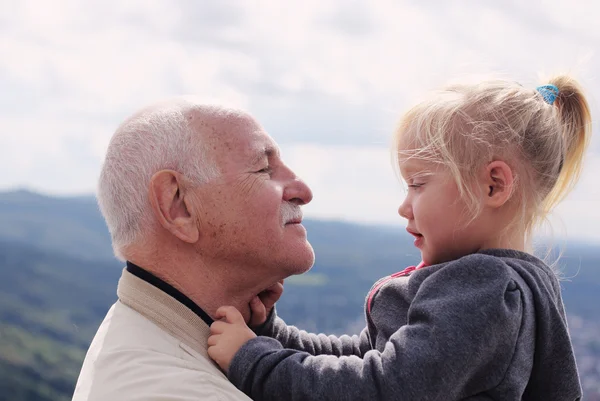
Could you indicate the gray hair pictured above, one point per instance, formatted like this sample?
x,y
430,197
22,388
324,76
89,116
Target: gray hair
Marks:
x,y
156,138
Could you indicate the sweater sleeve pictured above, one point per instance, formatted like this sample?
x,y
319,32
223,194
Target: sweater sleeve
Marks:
x,y
461,334
314,344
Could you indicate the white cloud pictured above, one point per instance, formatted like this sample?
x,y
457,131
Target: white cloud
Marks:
x,y
327,78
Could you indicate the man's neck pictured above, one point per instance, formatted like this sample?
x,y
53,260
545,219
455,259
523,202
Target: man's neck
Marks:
x,y
169,290
206,286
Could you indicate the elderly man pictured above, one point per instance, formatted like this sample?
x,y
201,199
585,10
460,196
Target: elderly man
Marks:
x,y
205,213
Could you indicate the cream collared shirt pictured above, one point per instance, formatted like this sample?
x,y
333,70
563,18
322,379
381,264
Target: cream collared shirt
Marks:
x,y
150,347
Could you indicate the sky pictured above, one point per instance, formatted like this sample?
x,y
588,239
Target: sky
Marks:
x,y
328,79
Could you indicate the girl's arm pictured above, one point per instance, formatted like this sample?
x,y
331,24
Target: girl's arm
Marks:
x,y
314,344
463,327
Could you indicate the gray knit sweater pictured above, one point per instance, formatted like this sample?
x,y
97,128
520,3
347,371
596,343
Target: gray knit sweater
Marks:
x,y
489,326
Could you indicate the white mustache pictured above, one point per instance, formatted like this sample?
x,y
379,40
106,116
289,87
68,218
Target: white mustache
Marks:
x,y
290,212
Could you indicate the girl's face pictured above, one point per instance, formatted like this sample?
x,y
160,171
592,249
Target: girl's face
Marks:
x,y
437,215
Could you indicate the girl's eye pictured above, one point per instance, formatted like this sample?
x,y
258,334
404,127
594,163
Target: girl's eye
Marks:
x,y
415,185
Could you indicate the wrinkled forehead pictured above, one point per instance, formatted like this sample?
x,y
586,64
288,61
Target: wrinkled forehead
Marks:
x,y
240,139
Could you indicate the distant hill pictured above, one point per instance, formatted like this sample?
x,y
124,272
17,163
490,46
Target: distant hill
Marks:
x,y
72,226
50,307
58,278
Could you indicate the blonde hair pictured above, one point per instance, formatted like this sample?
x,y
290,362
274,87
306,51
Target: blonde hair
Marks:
x,y
465,127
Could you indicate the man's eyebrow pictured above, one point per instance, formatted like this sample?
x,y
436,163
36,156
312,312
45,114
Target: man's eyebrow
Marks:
x,y
267,152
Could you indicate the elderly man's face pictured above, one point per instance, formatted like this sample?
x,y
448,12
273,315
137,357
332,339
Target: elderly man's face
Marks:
x,y
251,214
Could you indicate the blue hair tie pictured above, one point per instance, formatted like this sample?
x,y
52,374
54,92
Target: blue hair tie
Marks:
x,y
549,92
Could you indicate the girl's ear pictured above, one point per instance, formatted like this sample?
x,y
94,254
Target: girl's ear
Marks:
x,y
498,183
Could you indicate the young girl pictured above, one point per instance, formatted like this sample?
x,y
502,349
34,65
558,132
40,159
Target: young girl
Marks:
x,y
479,319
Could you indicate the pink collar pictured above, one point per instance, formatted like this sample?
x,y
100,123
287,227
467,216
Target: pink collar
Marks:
x,y
408,270
388,278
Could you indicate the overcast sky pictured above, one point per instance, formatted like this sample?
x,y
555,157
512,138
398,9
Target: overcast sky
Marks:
x,y
328,80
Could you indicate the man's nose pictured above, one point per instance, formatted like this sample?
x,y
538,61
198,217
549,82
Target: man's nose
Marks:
x,y
297,191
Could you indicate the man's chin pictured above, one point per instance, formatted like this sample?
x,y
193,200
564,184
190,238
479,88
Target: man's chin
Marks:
x,y
304,269
310,258
302,263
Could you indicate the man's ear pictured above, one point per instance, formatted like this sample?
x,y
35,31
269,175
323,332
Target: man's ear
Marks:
x,y
171,205
498,183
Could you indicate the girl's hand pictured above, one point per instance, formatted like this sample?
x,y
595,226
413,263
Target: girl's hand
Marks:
x,y
262,304
227,336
